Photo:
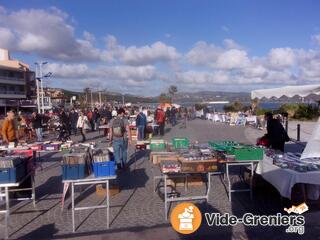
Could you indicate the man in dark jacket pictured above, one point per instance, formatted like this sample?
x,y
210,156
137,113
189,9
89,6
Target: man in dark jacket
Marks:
x,y
73,121
276,134
141,123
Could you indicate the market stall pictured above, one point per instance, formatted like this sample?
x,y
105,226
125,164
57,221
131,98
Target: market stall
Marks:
x,y
180,159
15,170
86,165
285,170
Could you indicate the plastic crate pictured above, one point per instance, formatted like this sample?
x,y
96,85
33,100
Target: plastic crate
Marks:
x,y
157,146
103,169
178,143
247,153
73,171
223,145
12,175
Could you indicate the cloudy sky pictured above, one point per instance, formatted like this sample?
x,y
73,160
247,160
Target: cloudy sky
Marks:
x,y
142,47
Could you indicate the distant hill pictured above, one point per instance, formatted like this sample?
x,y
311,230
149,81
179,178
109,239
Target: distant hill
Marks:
x,y
183,97
212,96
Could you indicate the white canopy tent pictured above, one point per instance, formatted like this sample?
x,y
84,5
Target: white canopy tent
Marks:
x,y
312,149
288,91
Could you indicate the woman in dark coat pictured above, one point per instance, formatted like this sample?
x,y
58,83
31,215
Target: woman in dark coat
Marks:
x,y
276,134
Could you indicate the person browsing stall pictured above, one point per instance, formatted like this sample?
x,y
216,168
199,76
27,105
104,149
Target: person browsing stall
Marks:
x,y
141,123
9,132
120,138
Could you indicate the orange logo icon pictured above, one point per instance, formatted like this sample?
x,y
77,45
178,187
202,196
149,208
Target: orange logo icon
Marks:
x,y
186,218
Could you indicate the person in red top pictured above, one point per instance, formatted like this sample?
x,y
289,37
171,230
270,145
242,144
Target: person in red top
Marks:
x,y
89,116
160,119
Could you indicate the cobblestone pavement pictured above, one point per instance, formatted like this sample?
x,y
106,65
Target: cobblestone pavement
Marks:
x,y
137,212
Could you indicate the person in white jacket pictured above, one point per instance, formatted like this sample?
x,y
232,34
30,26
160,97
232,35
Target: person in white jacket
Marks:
x,y
82,124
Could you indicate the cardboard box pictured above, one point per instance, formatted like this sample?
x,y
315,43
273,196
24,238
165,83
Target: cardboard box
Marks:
x,y
157,157
101,191
180,181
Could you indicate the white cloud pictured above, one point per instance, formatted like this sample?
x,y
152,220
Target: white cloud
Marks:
x,y
281,58
316,39
255,71
232,59
231,44
105,74
203,54
157,52
49,34
6,37
203,77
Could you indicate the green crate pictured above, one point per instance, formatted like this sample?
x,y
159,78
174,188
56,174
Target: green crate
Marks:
x,y
157,146
223,145
178,143
243,153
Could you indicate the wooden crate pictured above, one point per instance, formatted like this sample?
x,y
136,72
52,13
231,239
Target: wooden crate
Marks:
x,y
157,157
199,166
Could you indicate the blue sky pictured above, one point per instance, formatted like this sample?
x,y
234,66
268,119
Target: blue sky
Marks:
x,y
144,46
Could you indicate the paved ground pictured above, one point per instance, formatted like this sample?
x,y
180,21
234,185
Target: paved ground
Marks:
x,y
138,213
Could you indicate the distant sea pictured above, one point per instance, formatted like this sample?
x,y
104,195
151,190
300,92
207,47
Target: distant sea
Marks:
x,y
219,107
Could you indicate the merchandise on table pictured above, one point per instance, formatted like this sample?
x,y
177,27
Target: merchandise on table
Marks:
x,y
75,166
199,166
157,157
178,143
223,145
157,145
66,146
292,161
103,163
143,145
12,169
170,166
36,147
54,146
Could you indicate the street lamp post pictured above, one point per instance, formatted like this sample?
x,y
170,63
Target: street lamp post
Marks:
x,y
39,77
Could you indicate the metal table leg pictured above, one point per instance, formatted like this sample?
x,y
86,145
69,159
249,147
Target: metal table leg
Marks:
x,y
209,185
108,203
33,190
229,183
165,197
7,212
251,180
72,201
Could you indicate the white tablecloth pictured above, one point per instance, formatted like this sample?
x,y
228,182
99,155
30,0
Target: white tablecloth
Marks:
x,y
284,179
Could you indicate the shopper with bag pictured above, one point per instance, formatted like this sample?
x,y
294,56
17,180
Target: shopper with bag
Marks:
x,y
120,138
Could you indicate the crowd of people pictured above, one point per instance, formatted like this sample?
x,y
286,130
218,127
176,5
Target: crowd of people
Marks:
x,y
62,124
